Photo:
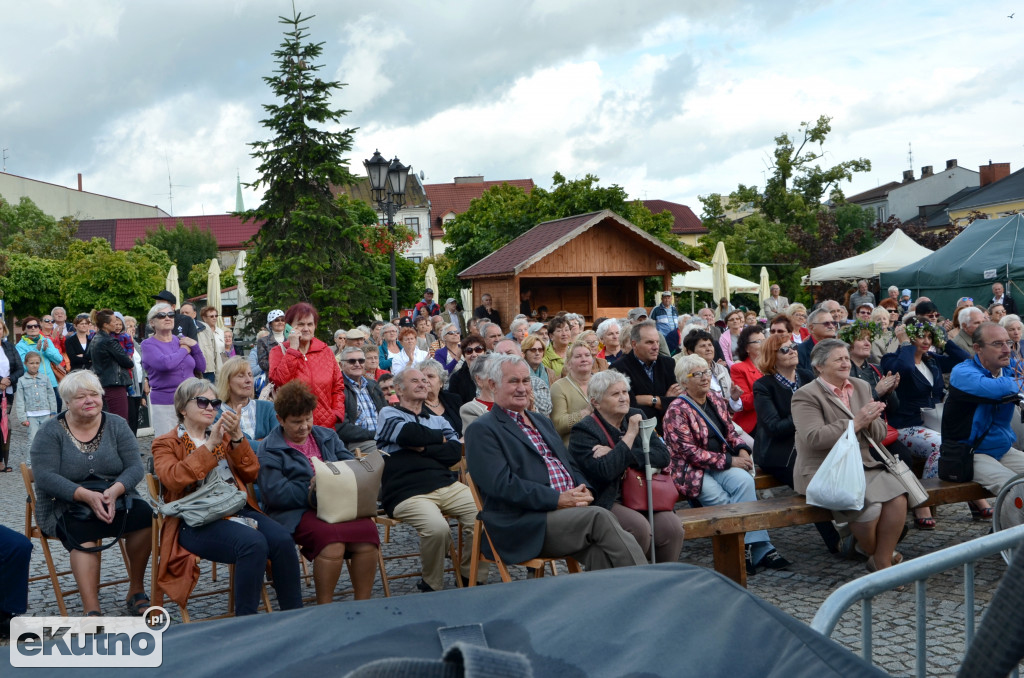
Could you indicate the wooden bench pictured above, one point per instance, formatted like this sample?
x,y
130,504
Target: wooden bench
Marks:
x,y
728,524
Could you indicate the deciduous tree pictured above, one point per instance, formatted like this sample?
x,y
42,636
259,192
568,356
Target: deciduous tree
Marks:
x,y
186,246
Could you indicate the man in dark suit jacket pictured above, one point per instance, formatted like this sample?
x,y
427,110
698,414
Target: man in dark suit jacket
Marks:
x,y
652,377
821,325
999,297
363,402
486,310
535,502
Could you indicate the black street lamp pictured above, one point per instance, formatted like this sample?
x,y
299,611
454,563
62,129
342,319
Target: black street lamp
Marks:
x,y
387,187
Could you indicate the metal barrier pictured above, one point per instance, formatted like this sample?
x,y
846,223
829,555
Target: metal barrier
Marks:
x,y
917,571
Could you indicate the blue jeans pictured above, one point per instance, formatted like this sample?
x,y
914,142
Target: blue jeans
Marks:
x,y
15,553
226,541
730,486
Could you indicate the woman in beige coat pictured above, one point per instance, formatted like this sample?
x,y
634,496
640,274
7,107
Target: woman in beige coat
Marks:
x,y
821,411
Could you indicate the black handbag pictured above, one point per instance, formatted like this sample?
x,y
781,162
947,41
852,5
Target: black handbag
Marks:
x,y
80,511
956,460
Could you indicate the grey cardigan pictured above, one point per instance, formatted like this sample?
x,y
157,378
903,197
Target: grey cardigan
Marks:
x,y
59,466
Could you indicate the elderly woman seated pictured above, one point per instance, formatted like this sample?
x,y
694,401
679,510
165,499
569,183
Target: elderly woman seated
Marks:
x,y
182,459
710,463
85,445
607,443
286,481
822,410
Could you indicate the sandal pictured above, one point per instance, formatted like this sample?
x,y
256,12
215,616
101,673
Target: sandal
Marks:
x,y
137,604
94,613
924,523
8,469
978,513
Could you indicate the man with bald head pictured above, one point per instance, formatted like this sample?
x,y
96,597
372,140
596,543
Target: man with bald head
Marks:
x,y
983,398
999,296
419,486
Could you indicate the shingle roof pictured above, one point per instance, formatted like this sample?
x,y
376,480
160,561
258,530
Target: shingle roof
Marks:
x,y
548,236
874,193
454,198
685,220
229,231
1007,189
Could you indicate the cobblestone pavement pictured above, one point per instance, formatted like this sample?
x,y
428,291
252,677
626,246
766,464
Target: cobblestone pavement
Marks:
x,y
799,591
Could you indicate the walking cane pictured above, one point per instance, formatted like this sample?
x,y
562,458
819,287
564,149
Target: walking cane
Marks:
x,y
646,429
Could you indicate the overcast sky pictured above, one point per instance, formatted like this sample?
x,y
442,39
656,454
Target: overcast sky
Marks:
x,y
670,99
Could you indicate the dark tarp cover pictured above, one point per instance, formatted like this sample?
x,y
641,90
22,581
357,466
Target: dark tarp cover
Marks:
x,y
984,253
660,620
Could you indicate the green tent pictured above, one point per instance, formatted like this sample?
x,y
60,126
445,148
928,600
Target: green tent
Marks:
x,y
984,253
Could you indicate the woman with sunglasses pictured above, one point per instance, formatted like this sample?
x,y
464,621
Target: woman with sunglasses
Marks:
x,y
77,345
168,360
461,382
200,445
35,340
449,355
775,434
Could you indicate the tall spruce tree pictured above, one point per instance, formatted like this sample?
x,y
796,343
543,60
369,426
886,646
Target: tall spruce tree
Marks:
x,y
308,248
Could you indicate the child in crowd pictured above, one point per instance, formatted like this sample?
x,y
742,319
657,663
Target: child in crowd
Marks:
x,y
34,401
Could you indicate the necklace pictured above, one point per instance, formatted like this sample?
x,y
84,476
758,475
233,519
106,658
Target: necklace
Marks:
x,y
432,405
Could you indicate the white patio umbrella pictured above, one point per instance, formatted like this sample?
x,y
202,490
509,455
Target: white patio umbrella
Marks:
x,y
213,290
720,274
467,304
171,284
766,286
430,280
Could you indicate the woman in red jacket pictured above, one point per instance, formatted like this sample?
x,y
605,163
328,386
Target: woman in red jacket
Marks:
x,y
306,358
745,372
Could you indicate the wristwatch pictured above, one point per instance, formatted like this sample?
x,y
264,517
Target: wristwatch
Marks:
x,y
235,442
654,401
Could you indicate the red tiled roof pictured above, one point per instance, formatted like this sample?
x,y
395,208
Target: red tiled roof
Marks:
x,y
874,193
548,236
685,221
230,232
454,198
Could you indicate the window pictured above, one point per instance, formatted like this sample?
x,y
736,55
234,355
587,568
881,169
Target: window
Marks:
x,y
881,213
415,260
414,224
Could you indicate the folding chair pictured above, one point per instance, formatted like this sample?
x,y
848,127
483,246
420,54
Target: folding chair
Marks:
x,y
32,531
153,485
536,564
454,553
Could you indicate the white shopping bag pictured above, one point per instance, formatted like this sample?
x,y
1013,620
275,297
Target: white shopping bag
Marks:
x,y
839,484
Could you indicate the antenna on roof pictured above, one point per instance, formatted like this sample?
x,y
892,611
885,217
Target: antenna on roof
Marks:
x,y
170,187
910,157
6,155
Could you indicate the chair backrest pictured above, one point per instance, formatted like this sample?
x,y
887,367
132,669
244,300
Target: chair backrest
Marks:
x,y
30,500
475,492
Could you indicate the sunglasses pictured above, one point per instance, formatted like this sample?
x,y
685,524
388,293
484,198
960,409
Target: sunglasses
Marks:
x,y
205,403
786,350
47,320
780,330
163,316
451,332
476,349
355,361
33,326
830,323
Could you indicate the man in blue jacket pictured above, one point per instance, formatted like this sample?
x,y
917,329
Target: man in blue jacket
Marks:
x,y
986,424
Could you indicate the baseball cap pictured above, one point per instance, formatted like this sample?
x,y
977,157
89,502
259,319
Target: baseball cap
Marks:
x,y
164,295
637,313
449,300
428,291
666,293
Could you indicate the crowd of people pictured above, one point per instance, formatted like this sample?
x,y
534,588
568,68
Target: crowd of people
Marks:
x,y
545,416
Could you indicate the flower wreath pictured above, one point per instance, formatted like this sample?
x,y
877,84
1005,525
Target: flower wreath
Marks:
x,y
917,328
854,331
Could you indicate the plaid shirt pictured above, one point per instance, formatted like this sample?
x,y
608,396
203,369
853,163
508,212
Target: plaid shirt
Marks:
x,y
561,480
367,410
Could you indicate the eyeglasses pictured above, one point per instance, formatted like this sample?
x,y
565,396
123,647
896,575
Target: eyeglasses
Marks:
x,y
163,316
933,316
967,299
204,403
700,375
475,349
1000,344
787,349
47,320
535,349
33,326
212,315
355,361
830,323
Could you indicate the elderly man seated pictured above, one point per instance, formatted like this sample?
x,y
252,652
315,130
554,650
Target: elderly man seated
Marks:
x,y
363,402
535,502
982,400
419,487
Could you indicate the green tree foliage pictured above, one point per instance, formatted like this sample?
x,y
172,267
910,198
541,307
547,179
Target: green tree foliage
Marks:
x,y
309,248
186,246
98,277
30,285
505,212
800,220
200,272
27,229
25,216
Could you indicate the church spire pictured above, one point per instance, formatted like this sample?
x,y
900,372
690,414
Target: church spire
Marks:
x,y
239,205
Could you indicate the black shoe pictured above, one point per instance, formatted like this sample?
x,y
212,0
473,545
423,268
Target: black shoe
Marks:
x,y
422,585
751,568
5,625
773,560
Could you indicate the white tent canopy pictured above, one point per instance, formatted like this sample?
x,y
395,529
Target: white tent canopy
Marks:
x,y
897,251
701,281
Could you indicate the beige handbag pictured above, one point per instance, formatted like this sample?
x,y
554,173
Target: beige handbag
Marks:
x,y
346,490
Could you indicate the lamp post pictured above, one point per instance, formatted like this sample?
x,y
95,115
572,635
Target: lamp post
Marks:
x,y
387,187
